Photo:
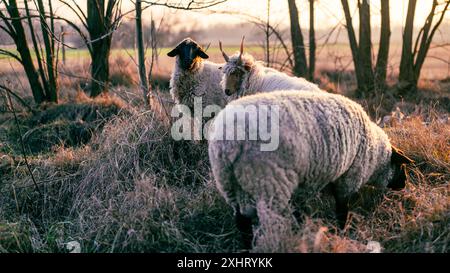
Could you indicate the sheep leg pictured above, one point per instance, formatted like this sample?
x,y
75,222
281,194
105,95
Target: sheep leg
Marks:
x,y
244,225
341,206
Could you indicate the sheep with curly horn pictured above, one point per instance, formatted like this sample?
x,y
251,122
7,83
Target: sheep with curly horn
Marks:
x,y
243,75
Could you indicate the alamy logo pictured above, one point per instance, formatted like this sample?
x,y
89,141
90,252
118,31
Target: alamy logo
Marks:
x,y
237,122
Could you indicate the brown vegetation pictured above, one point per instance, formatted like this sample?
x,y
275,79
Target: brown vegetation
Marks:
x,y
106,173
134,189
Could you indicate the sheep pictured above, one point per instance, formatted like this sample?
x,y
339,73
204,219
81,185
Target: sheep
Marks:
x,y
243,75
324,140
195,77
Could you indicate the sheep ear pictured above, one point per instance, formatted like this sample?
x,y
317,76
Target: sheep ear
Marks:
x,y
174,52
202,54
398,157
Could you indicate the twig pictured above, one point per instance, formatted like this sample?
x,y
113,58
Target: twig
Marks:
x,y
22,146
19,99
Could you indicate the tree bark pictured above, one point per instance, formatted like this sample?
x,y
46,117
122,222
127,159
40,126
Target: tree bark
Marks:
x,y
100,67
298,45
22,47
383,50
413,58
52,93
426,43
37,51
365,47
353,42
100,34
312,42
63,47
406,76
423,38
267,34
141,53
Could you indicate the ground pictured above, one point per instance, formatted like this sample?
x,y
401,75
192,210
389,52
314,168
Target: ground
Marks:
x,y
109,177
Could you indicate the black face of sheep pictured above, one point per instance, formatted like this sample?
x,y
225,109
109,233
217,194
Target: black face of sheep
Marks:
x,y
398,161
397,182
245,227
189,52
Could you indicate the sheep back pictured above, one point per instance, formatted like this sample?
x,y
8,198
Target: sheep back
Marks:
x,y
323,138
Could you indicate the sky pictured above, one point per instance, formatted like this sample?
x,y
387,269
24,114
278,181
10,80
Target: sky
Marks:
x,y
328,12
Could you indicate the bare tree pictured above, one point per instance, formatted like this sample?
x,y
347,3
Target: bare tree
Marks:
x,y
141,52
63,45
301,67
407,61
44,80
365,44
101,21
362,49
298,45
383,50
413,58
312,42
267,34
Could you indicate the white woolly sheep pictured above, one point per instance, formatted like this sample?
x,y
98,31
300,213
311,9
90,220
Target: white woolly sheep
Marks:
x,y
195,77
243,76
323,139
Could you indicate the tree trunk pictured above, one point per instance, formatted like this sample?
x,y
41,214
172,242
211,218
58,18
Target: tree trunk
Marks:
x,y
63,47
52,93
353,42
383,50
24,51
267,34
98,27
30,71
426,43
414,58
312,42
423,38
100,67
406,76
37,50
141,52
298,45
365,48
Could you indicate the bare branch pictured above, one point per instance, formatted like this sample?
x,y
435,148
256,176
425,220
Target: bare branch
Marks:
x,y
77,11
18,98
192,5
10,54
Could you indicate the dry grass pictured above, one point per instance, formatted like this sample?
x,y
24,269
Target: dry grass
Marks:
x,y
139,191
67,124
132,188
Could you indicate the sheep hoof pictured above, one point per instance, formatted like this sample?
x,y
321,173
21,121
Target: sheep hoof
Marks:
x,y
244,225
341,208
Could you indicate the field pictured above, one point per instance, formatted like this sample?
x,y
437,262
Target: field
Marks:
x,y
110,178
